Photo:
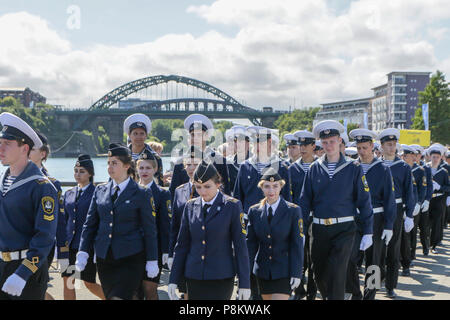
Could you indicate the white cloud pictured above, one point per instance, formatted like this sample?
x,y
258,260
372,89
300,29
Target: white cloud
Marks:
x,y
284,49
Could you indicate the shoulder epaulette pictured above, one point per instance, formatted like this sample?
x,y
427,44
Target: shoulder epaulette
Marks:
x,y
292,205
191,200
181,186
234,200
255,206
356,163
102,184
42,181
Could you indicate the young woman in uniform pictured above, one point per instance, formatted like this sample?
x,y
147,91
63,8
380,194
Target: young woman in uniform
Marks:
x,y
120,226
211,245
76,206
275,240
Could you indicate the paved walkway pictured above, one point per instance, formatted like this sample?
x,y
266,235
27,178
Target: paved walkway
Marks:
x,y
429,280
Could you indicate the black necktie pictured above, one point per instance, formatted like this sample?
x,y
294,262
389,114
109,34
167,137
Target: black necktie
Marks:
x,y
270,216
115,195
205,210
78,194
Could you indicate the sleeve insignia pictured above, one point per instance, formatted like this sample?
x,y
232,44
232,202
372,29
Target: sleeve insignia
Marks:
x,y
241,218
48,205
366,185
291,205
300,227
169,206
153,207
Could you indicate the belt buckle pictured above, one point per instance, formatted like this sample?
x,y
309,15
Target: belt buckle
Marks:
x,y
328,221
6,256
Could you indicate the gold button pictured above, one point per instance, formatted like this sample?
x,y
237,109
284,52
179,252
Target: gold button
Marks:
x,y
73,221
203,257
110,224
270,247
110,235
73,231
203,227
204,242
268,236
74,210
111,212
270,258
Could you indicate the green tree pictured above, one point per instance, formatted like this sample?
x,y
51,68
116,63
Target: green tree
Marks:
x,y
437,95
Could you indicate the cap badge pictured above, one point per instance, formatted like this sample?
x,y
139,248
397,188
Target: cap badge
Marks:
x,y
109,154
272,179
144,156
140,124
303,139
4,128
358,137
78,164
391,137
327,132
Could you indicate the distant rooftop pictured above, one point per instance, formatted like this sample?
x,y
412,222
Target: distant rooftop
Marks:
x,y
412,73
347,101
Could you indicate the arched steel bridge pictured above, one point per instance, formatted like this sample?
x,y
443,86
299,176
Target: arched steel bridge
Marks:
x,y
129,88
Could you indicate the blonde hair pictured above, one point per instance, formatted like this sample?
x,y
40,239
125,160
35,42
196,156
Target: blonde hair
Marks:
x,y
153,163
260,184
156,146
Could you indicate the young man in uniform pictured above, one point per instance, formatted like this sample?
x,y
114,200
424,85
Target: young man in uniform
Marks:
x,y
404,195
334,189
28,211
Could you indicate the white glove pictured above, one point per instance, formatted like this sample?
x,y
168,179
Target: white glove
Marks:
x,y
169,263
81,261
425,206
165,258
448,201
63,264
14,285
387,235
152,269
436,186
295,282
416,210
409,224
366,242
95,258
243,294
171,290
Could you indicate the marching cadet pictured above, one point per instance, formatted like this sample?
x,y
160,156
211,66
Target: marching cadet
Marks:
x,y
334,188
147,167
404,194
137,126
441,186
376,150
27,211
241,142
211,245
39,156
384,209
297,172
183,194
447,202
293,147
251,171
420,190
427,182
198,126
445,165
120,226
76,205
275,240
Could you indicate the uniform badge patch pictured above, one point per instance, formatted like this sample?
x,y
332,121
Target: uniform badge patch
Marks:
x,y
48,205
169,206
366,186
300,227
241,217
424,181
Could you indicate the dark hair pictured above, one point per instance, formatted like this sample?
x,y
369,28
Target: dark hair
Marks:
x,y
20,144
217,178
46,149
91,172
128,160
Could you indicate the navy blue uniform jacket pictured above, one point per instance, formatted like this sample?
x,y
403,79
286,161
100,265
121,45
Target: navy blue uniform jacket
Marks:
x,y
246,189
339,196
204,249
29,217
128,226
276,250
163,209
76,213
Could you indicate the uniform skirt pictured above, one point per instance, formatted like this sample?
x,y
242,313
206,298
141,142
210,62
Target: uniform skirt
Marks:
x,y
90,271
282,286
210,289
121,278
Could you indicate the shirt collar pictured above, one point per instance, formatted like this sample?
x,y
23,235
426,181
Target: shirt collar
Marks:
x,y
150,184
210,202
122,185
84,188
274,206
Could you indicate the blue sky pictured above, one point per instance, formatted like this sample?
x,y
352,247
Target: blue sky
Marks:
x,y
261,52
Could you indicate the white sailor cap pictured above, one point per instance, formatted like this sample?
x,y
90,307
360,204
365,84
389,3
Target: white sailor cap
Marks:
x,y
345,138
408,149
399,147
275,138
362,135
197,121
318,145
15,128
436,148
419,149
137,120
389,134
229,134
258,133
352,144
328,128
304,137
376,146
447,154
291,140
351,151
239,131
444,149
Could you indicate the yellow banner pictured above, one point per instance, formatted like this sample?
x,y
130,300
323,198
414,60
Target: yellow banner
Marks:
x,y
420,137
